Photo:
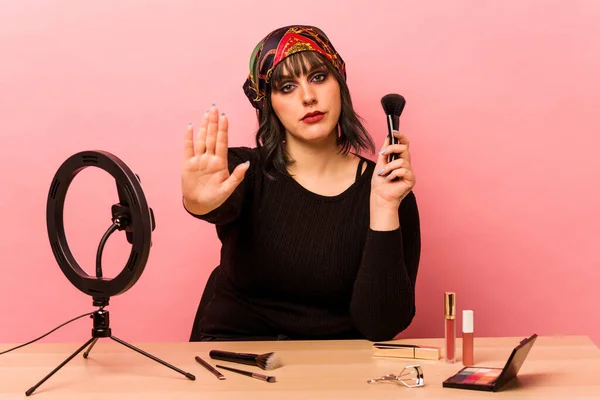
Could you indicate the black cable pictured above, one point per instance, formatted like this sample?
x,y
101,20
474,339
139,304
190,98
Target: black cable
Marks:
x,y
43,336
110,230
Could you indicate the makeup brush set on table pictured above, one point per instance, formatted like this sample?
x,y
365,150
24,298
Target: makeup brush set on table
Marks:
x,y
411,376
267,361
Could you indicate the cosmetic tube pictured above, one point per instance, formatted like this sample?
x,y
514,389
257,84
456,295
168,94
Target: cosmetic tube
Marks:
x,y
467,338
450,326
406,351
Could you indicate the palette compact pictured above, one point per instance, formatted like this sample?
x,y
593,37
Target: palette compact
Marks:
x,y
492,379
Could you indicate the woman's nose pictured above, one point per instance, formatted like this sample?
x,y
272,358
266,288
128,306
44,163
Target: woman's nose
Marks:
x,y
308,93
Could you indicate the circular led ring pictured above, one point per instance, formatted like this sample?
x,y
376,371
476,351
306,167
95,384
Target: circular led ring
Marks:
x,y
141,223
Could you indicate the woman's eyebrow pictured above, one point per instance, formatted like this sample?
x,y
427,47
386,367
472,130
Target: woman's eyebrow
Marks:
x,y
287,76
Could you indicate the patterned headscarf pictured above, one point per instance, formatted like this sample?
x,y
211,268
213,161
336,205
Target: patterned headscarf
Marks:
x,y
278,45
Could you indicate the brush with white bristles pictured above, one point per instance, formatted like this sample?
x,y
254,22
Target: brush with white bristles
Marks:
x,y
265,361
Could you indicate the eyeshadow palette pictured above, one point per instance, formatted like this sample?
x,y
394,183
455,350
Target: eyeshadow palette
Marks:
x,y
474,378
491,379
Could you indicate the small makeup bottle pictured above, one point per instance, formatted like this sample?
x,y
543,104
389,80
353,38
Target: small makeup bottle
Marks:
x,y
467,338
450,326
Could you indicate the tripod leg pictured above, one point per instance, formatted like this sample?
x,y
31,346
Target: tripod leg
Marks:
x,y
32,389
87,352
187,374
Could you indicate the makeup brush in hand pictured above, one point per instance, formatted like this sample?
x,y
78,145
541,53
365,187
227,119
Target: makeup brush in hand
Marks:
x,y
265,361
393,104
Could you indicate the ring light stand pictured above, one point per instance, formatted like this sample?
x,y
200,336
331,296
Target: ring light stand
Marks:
x,y
131,214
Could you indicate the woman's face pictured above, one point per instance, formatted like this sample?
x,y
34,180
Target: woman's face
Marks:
x,y
308,105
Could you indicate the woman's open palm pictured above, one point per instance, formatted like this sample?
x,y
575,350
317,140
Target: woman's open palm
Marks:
x,y
205,179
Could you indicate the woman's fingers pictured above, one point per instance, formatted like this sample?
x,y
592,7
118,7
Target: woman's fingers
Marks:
x,y
188,143
212,130
237,175
382,157
400,149
222,140
405,174
402,139
396,164
200,144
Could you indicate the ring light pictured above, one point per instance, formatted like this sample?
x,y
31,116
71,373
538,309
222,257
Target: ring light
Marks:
x,y
132,215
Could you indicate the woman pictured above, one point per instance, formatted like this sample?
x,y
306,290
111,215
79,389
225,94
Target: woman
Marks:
x,y
315,244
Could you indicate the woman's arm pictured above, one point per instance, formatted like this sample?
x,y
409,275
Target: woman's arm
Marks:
x,y
383,300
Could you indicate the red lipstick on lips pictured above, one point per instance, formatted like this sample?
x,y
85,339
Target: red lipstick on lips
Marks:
x,y
313,117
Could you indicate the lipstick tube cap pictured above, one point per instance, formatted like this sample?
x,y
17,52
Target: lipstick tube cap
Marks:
x,y
450,305
467,322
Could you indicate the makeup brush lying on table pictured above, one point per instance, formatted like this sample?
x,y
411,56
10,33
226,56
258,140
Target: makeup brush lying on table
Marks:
x,y
265,361
254,375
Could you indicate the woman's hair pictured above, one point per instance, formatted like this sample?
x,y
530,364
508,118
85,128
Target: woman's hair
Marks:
x,y
271,132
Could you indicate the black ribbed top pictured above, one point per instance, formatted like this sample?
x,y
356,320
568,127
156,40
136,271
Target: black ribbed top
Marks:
x,y
307,266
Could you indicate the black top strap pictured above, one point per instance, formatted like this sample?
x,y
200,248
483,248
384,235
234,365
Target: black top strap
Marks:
x,y
359,169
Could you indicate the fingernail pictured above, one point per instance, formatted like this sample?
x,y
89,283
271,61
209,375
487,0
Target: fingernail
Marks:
x,y
214,104
247,163
382,151
380,171
387,178
393,131
222,114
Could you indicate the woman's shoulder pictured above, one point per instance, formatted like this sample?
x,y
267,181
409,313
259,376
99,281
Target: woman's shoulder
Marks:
x,y
243,152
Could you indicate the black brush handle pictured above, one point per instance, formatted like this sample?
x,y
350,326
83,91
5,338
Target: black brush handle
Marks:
x,y
241,358
239,371
393,122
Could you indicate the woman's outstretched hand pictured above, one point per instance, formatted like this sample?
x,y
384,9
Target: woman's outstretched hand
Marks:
x,y
205,179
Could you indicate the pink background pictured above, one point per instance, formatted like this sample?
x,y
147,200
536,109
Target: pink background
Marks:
x,y
502,110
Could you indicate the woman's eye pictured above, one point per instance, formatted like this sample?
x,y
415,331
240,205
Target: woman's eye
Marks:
x,y
286,88
319,77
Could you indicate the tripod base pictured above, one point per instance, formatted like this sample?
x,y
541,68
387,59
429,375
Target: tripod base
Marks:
x,y
101,329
